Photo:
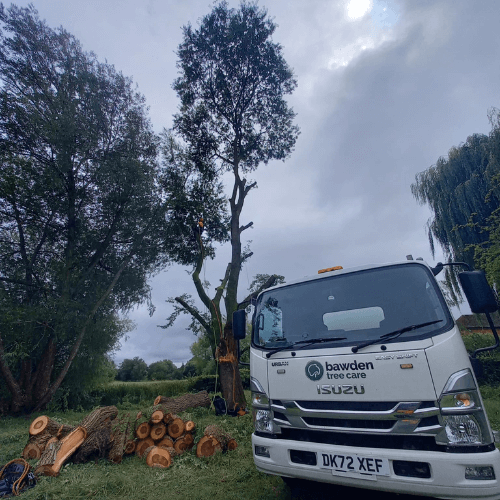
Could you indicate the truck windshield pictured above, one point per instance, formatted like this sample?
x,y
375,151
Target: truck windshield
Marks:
x,y
359,306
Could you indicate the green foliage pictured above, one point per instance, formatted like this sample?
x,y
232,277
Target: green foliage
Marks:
x,y
82,214
469,177
164,370
490,360
132,370
127,393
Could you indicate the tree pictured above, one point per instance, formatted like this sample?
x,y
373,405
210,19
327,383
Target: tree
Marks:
x,y
164,370
233,117
462,193
82,215
132,370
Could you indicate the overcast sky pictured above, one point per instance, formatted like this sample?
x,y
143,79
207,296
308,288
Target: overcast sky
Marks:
x,y
384,89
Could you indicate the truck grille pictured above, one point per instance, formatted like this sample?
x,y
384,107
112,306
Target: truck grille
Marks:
x,y
387,418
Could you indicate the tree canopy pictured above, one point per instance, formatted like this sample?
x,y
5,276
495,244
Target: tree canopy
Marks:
x,y
463,193
233,117
82,214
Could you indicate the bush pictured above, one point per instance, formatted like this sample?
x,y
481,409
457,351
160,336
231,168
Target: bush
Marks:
x,y
490,360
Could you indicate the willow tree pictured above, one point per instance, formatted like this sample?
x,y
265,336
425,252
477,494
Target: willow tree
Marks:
x,y
232,87
462,193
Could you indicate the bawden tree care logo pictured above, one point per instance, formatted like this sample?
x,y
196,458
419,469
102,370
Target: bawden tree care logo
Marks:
x,y
314,370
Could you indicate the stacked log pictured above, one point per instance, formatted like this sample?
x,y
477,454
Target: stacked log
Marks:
x,y
57,453
41,431
184,402
214,440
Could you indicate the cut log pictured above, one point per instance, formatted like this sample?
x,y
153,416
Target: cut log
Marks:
x,y
32,451
119,436
166,442
158,431
207,446
44,424
44,465
156,417
221,436
232,444
175,428
95,446
184,402
167,418
180,446
142,445
143,430
129,447
189,440
64,430
56,454
98,418
159,457
190,426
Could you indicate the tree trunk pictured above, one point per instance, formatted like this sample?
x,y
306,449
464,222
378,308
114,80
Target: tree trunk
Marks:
x,y
230,379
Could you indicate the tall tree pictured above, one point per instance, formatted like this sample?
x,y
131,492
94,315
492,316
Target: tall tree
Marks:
x,y
233,116
81,209
463,192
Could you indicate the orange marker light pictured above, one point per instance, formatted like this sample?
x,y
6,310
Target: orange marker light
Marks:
x,y
328,269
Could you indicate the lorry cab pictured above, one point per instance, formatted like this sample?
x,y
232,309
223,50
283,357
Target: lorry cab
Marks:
x,y
360,377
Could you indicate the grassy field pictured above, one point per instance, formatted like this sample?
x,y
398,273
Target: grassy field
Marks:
x,y
227,476
230,475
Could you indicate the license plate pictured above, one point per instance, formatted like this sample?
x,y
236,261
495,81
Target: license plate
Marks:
x,y
355,464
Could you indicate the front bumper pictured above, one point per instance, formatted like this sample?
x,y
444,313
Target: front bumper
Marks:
x,y
447,469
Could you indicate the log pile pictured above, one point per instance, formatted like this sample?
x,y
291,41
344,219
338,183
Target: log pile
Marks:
x,y
156,434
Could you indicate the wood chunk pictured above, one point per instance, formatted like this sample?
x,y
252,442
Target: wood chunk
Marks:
x,y
156,417
159,457
175,428
207,446
166,442
56,454
43,424
129,447
142,445
32,452
143,430
158,431
221,436
180,446
190,426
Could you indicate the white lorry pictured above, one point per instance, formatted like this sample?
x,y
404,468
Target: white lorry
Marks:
x,y
359,377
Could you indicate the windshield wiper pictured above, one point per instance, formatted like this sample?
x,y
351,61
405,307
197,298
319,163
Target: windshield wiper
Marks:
x,y
393,335
304,343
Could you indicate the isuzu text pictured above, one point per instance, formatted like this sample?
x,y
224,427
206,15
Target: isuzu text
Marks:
x,y
360,377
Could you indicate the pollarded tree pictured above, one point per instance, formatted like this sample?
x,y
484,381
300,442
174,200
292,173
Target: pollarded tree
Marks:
x,y
232,87
82,215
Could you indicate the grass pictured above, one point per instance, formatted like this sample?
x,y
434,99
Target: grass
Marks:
x,y
230,475
227,476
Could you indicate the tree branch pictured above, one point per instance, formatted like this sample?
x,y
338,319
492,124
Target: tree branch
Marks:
x,y
195,313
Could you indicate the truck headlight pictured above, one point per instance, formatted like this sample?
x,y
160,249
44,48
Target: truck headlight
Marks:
x,y
462,429
264,421
464,419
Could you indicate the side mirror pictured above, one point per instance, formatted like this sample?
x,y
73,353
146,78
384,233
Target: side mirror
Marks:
x,y
239,324
478,292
